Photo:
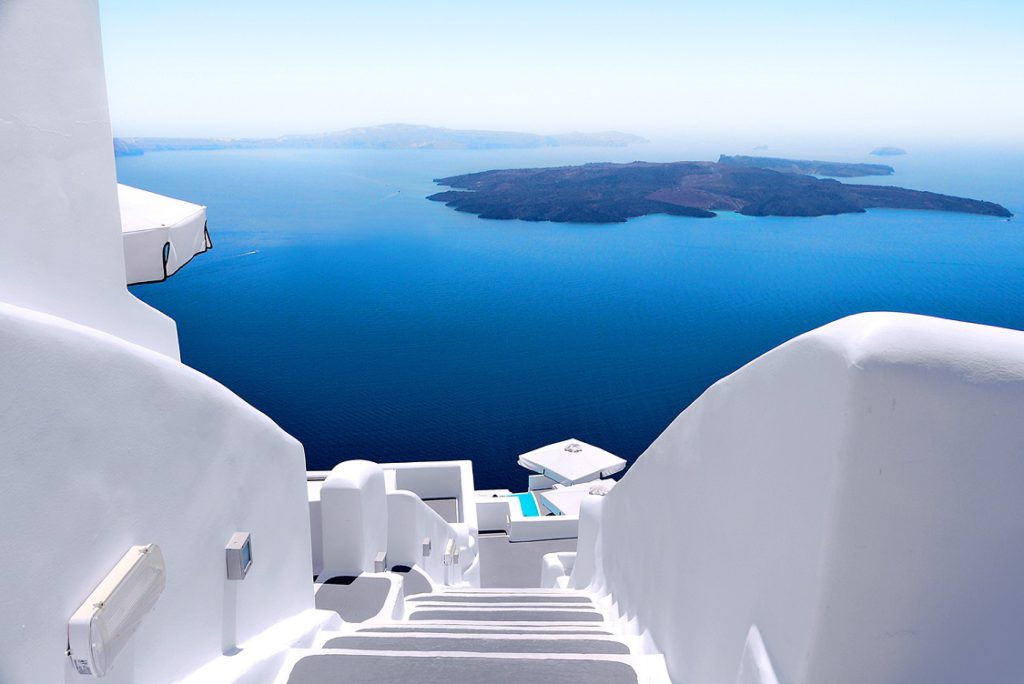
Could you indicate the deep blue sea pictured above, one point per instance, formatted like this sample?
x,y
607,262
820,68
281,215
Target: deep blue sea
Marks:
x,y
371,323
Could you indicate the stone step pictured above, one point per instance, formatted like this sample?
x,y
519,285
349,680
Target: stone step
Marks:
x,y
479,643
593,629
496,605
359,667
538,591
414,580
355,599
447,597
505,614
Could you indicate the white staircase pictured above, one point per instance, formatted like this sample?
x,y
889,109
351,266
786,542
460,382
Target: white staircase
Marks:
x,y
481,636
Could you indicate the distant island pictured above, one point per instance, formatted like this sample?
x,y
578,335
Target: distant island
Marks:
x,y
386,137
816,168
611,193
888,151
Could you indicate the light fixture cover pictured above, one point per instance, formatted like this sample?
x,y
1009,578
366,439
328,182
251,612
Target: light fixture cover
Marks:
x,y
101,627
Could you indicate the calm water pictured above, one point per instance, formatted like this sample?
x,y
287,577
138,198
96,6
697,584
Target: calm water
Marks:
x,y
370,323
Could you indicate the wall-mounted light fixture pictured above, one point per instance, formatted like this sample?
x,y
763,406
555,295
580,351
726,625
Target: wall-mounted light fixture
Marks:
x,y
102,626
238,554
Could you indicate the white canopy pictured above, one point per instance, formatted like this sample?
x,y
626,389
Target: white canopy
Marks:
x,y
572,461
161,234
567,500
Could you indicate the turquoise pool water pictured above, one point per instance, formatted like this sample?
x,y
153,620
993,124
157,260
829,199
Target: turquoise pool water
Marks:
x,y
528,504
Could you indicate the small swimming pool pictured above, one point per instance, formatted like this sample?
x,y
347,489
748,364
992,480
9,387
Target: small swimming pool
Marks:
x,y
528,504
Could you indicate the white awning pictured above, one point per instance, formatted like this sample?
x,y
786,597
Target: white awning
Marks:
x,y
572,461
567,500
161,234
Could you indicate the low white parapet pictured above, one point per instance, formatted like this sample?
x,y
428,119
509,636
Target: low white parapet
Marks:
x,y
540,527
363,509
556,569
500,510
588,550
438,480
354,518
445,480
854,493
418,536
492,513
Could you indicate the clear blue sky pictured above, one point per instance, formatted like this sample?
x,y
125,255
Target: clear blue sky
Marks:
x,y
889,71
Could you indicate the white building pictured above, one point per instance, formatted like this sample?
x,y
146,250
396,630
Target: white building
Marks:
x,y
845,509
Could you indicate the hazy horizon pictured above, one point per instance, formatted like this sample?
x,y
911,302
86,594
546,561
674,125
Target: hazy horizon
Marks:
x,y
872,73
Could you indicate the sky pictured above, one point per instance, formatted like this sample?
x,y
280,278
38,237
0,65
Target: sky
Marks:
x,y
890,72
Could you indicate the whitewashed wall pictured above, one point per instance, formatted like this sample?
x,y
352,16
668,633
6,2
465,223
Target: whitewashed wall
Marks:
x,y
855,495
410,522
105,444
353,518
446,480
60,230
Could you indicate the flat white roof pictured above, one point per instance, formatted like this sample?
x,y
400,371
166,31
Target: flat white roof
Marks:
x,y
161,234
144,210
567,500
572,461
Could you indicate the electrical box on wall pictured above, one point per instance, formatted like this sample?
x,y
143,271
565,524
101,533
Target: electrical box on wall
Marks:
x,y
238,554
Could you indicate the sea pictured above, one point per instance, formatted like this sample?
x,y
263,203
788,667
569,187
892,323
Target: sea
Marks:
x,y
371,323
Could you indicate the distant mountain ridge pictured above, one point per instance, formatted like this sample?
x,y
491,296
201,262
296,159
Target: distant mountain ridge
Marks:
x,y
125,149
385,137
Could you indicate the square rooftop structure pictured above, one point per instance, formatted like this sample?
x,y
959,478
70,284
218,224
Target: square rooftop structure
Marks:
x,y
572,461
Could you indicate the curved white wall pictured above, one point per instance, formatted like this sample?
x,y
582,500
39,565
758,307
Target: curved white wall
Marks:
x,y
446,480
105,444
353,518
62,249
410,521
855,495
